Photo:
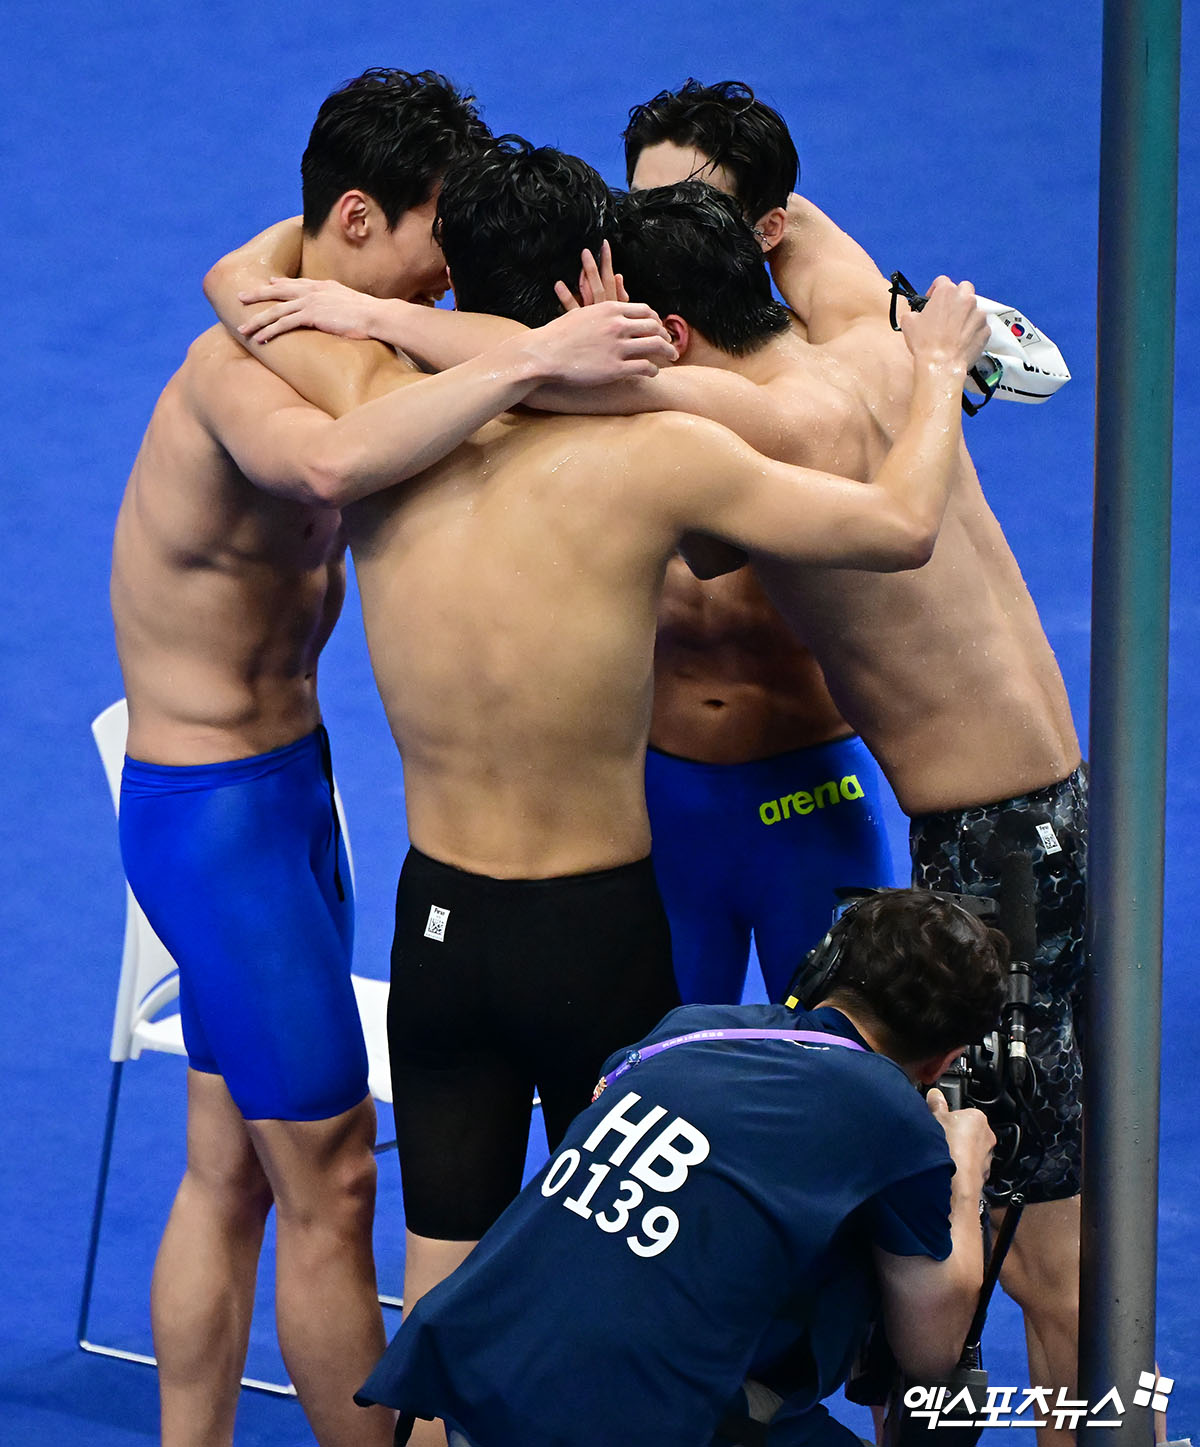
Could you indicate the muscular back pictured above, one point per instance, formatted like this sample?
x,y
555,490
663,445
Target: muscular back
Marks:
x,y
509,599
223,594
945,671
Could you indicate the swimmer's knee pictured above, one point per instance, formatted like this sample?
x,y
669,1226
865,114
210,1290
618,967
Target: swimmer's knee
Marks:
x,y
354,1177
1041,1270
324,1172
221,1159
236,1189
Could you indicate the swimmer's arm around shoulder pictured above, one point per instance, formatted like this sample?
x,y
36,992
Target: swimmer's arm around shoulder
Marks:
x,y
258,296
817,265
273,252
741,405
433,337
331,372
284,445
710,482
343,370
720,486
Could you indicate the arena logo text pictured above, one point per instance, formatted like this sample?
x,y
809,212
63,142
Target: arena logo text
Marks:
x,y
771,811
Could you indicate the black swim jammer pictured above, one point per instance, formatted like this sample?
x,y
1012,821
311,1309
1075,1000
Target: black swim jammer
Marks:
x,y
500,986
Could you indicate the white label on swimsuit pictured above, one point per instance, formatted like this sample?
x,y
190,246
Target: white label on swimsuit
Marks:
x,y
1049,839
435,925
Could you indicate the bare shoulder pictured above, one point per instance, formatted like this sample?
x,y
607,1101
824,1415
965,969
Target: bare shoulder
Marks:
x,y
210,354
220,380
644,447
837,281
654,461
802,397
212,363
671,439
643,437
676,463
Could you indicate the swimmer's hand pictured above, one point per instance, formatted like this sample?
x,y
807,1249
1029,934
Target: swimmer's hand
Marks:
x,y
950,332
597,282
608,342
970,1139
324,306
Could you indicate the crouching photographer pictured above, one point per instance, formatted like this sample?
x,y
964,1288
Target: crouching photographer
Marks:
x,y
747,1188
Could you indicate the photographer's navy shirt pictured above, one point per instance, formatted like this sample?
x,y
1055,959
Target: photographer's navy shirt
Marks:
x,y
710,1217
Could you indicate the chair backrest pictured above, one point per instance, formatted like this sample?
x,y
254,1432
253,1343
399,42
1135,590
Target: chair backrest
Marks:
x,y
149,976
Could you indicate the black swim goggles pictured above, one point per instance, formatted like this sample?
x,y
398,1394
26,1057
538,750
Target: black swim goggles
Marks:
x,y
986,373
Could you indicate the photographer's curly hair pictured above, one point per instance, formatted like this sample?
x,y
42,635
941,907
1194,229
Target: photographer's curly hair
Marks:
x,y
391,134
512,221
687,249
925,972
729,125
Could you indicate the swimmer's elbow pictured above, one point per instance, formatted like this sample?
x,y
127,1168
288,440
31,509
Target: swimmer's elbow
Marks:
x,y
221,283
329,477
909,545
342,470
919,548
212,281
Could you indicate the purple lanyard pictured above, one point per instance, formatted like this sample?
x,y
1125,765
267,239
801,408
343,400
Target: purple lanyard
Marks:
x,y
803,1037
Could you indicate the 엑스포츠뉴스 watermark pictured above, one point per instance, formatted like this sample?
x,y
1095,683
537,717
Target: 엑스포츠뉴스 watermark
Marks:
x,y
1033,1406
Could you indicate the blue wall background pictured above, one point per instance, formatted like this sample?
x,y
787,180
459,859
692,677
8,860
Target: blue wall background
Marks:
x,y
139,142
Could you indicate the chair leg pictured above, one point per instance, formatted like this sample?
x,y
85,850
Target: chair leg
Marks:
x,y
396,1302
89,1270
251,1384
254,1384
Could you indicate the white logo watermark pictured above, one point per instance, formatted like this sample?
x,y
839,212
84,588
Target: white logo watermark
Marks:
x,y
1064,1413
1153,1391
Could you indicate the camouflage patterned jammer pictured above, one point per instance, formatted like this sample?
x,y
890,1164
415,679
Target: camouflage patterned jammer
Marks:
x,y
962,851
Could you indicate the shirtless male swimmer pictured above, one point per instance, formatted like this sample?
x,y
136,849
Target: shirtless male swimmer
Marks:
x,y
743,720
228,575
510,601
946,674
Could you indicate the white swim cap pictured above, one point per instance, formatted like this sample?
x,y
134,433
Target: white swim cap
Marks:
x,y
1031,366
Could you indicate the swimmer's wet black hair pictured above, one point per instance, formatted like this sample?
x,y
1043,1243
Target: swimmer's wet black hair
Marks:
x,y
687,250
391,134
732,128
925,973
512,221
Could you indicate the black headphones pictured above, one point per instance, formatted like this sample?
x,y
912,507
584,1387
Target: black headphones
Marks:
x,y
819,968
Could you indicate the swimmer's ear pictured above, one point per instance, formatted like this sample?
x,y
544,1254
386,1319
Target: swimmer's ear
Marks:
x,y
770,226
351,213
680,333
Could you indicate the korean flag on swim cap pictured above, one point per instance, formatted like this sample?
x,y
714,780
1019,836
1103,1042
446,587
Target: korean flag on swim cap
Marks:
x,y
1031,366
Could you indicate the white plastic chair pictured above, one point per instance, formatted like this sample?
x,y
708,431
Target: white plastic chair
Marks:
x,y
149,984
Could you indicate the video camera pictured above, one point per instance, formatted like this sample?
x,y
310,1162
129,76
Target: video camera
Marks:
x,y
997,1075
